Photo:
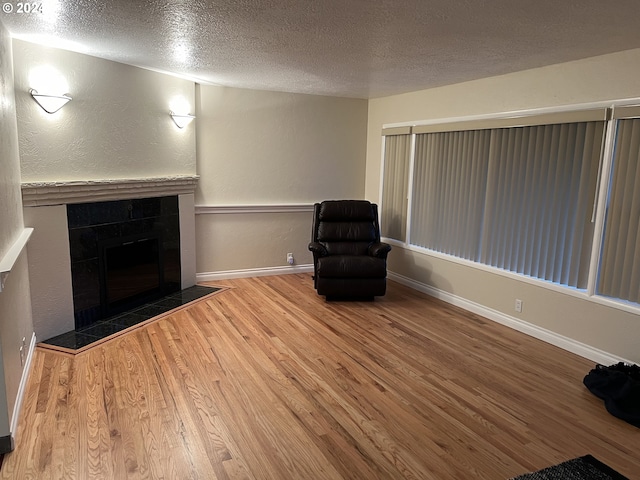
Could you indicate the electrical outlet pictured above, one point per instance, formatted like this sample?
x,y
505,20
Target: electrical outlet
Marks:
x,y
290,260
518,305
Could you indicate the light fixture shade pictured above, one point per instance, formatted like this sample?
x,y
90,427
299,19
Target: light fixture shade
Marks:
x,y
49,103
182,120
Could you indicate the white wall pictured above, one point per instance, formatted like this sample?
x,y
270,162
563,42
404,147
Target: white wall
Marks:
x,y
250,241
602,78
271,148
116,127
186,205
50,267
15,306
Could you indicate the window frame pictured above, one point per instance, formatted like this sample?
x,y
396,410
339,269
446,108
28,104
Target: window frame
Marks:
x,y
628,107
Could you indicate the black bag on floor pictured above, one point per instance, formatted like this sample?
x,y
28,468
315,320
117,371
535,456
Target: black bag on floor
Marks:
x,y
619,386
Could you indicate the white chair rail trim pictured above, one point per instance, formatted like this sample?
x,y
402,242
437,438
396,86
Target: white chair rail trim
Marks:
x,y
9,259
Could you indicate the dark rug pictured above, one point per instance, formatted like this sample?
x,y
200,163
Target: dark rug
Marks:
x,y
582,468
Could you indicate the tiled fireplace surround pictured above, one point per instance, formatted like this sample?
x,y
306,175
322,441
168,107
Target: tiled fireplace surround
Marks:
x,y
123,253
50,262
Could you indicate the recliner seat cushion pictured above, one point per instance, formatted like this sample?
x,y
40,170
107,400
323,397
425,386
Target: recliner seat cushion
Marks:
x,y
347,248
347,266
346,232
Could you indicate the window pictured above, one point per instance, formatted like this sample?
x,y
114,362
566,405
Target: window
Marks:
x,y
619,272
393,215
540,195
520,194
450,176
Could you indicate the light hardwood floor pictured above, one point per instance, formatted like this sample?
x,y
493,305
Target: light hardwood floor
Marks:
x,y
268,381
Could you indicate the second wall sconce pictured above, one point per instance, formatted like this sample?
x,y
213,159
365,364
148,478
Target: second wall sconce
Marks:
x,y
49,103
181,120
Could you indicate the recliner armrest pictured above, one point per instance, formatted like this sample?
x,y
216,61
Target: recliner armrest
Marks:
x,y
318,249
379,250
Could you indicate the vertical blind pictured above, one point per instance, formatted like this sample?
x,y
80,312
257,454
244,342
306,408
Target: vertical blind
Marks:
x,y
450,174
519,194
619,272
393,214
540,194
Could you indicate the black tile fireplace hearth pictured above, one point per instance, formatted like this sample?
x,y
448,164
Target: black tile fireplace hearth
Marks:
x,y
84,337
124,254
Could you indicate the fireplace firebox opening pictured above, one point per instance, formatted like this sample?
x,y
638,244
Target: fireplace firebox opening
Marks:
x,y
122,260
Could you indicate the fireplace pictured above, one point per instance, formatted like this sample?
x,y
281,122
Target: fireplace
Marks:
x,y
124,253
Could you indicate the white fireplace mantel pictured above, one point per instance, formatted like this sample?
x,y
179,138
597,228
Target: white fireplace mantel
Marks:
x,y
38,194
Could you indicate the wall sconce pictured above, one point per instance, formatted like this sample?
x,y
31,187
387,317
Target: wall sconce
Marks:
x,y
182,120
49,103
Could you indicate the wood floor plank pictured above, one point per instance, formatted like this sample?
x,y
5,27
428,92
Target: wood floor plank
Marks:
x,y
266,380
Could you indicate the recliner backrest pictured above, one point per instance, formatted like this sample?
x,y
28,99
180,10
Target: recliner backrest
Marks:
x,y
346,227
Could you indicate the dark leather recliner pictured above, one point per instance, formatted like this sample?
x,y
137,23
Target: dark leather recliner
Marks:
x,y
348,258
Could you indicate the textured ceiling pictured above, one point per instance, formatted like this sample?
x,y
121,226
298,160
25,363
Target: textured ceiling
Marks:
x,y
354,48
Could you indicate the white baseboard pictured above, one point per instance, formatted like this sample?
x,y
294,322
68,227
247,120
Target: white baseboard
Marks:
x,y
252,272
566,343
22,388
